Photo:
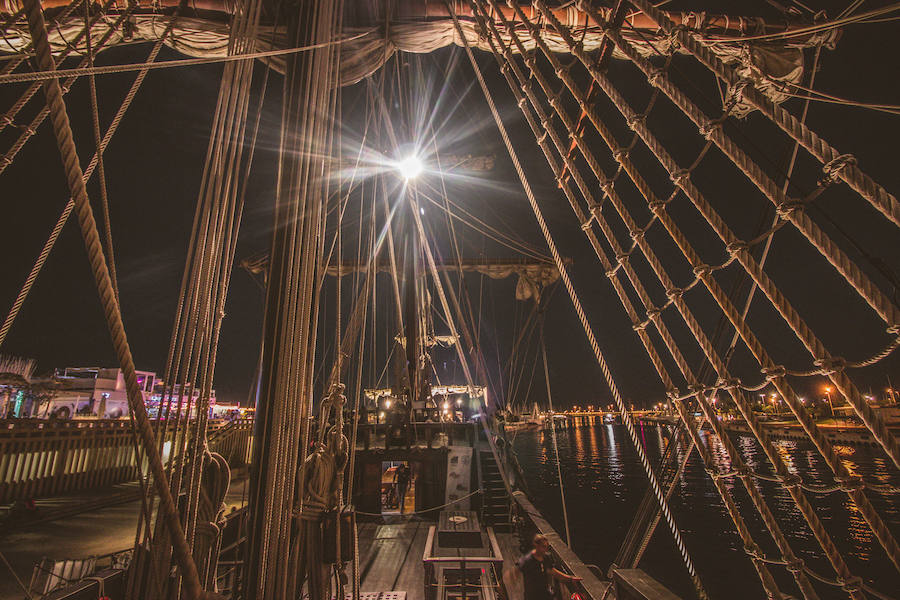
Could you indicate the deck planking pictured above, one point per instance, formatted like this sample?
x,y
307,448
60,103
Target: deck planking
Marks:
x,y
391,558
512,577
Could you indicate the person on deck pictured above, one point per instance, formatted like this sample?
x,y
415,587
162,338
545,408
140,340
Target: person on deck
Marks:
x,y
401,478
537,568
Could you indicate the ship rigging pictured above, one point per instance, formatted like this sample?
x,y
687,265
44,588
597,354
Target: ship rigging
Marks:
x,y
601,96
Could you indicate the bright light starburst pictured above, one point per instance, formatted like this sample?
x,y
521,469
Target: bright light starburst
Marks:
x,y
410,167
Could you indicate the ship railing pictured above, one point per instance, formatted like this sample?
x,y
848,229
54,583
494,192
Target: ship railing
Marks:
x,y
49,574
41,458
531,521
431,434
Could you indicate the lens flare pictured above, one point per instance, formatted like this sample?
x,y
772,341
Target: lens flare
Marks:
x,y
410,167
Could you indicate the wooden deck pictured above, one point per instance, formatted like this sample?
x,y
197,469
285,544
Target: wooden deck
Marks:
x,y
391,558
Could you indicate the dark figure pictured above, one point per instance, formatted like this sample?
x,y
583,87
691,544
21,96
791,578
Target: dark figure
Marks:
x,y
401,478
537,568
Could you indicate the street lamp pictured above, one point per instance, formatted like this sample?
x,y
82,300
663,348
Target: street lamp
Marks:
x,y
828,396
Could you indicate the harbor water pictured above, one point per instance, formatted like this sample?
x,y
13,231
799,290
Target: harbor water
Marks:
x,y
604,483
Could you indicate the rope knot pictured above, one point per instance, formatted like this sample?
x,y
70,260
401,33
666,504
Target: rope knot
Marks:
x,y
851,584
850,483
830,366
653,312
6,120
622,258
832,169
620,154
635,120
612,272
637,235
696,387
673,394
790,480
752,551
587,223
773,372
710,127
735,249
672,40
893,329
796,565
735,95
607,186
657,206
702,270
787,207
641,326
743,471
679,177
728,383
674,293
654,76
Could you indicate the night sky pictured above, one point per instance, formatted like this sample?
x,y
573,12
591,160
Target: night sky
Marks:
x,y
153,168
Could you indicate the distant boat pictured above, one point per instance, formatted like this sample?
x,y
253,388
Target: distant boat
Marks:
x,y
525,421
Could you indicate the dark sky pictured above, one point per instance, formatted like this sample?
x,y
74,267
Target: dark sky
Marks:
x,y
155,160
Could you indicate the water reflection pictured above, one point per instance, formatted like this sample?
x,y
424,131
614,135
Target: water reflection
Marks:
x,y
605,482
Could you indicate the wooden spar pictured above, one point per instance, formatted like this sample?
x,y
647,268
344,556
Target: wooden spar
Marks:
x,y
406,10
411,317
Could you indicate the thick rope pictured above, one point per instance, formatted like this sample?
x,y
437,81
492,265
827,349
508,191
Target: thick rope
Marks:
x,y
601,360
95,120
851,271
846,170
29,130
168,64
682,178
75,179
609,190
13,64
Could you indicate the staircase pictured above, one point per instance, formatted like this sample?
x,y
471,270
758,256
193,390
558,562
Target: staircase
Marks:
x,y
496,508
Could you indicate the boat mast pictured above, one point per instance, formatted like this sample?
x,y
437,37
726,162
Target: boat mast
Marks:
x,y
412,274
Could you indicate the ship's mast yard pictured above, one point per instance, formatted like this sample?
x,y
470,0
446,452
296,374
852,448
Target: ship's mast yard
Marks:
x,y
449,300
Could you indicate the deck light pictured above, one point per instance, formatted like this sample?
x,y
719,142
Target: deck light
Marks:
x,y
410,167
